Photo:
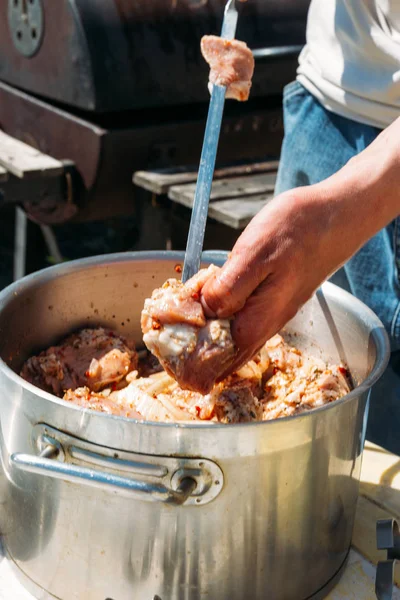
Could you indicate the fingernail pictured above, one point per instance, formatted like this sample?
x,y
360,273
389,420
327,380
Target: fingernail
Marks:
x,y
207,310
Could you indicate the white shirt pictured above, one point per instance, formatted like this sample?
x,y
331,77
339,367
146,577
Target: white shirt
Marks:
x,y
351,62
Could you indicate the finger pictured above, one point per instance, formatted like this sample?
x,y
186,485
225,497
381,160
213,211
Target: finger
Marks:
x,y
248,265
264,314
226,292
210,314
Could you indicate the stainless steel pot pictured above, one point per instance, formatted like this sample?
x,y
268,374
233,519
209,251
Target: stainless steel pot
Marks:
x,y
97,507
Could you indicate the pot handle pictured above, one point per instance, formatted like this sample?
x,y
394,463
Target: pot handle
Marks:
x,y
47,466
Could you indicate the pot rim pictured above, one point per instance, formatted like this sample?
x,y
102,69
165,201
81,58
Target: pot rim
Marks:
x,y
378,333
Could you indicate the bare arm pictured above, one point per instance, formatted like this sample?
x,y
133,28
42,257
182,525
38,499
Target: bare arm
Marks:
x,y
298,240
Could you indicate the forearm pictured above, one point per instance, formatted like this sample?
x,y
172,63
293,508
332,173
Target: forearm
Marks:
x,y
364,196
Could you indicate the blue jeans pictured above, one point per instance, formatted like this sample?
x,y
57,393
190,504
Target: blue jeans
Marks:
x,y
318,143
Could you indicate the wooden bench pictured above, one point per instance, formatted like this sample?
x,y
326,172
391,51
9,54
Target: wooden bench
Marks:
x,y
28,176
238,192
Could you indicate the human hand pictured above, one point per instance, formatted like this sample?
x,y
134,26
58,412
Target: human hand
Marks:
x,y
299,239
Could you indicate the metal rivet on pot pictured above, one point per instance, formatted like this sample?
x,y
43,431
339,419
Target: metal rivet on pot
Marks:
x,y
44,444
194,474
207,475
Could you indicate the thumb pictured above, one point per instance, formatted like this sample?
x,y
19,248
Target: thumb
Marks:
x,y
219,295
226,292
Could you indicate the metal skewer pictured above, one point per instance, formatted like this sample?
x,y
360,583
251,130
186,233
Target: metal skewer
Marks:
x,y
198,219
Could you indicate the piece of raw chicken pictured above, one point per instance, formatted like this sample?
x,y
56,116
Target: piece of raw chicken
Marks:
x,y
94,358
231,63
194,350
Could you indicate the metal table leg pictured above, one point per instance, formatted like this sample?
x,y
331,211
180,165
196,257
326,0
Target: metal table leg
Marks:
x,y
388,538
21,227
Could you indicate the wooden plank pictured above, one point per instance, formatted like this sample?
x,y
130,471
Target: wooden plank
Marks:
x,y
358,581
379,498
237,213
237,187
364,533
3,174
10,586
159,182
233,212
380,478
25,162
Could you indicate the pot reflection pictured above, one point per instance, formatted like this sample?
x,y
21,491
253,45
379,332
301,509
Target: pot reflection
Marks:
x,y
29,505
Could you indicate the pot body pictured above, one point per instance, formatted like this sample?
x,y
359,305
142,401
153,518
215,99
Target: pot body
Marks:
x,y
273,511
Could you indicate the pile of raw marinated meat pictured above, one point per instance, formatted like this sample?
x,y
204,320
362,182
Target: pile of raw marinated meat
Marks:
x,y
100,370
